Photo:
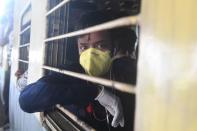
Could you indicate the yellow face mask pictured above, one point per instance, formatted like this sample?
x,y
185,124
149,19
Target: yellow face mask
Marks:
x,y
95,62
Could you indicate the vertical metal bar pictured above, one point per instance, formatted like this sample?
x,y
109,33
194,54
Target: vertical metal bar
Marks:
x,y
49,21
47,48
67,22
23,66
51,55
60,47
46,53
64,31
28,52
59,27
29,31
53,33
55,45
48,29
26,66
47,56
62,52
49,5
19,67
56,32
23,53
21,39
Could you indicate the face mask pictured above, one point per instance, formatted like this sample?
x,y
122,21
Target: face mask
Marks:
x,y
95,62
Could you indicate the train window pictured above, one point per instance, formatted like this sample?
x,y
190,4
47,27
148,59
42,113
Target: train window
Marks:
x,y
61,49
25,30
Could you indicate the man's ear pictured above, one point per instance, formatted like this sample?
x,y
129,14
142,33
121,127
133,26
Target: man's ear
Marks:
x,y
114,48
113,52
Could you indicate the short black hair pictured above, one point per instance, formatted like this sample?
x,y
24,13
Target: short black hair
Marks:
x,y
123,38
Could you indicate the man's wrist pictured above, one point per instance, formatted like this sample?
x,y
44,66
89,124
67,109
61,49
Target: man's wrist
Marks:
x,y
100,92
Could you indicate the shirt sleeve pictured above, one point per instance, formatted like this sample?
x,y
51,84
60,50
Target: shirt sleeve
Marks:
x,y
56,89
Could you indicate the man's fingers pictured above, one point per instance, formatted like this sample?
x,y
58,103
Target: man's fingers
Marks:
x,y
116,118
122,122
111,110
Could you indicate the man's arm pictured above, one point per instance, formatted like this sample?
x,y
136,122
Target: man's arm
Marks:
x,y
56,89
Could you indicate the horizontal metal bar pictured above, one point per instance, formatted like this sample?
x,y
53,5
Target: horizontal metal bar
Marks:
x,y
24,45
24,61
50,125
76,119
125,21
109,83
57,7
28,27
68,121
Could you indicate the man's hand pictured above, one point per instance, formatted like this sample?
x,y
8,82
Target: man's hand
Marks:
x,y
18,74
22,81
113,104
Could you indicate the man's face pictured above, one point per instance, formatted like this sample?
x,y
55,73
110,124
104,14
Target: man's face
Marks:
x,y
99,40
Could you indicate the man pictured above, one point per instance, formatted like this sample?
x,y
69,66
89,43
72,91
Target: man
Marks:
x,y
96,51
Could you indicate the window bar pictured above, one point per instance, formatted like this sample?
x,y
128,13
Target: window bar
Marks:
x,y
57,41
20,51
49,54
46,57
59,50
27,56
28,27
21,39
23,66
57,7
51,126
55,53
109,83
68,121
55,29
24,61
66,29
62,19
52,42
49,21
23,53
24,45
76,119
55,126
60,47
26,9
125,21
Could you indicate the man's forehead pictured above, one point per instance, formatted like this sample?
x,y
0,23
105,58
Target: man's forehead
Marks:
x,y
95,36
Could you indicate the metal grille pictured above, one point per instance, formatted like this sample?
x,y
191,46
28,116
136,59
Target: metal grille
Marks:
x,y
62,120
24,40
60,42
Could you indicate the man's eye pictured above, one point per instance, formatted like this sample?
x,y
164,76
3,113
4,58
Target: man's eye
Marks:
x,y
102,46
83,47
99,46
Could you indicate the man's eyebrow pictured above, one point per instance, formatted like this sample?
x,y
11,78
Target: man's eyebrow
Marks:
x,y
100,41
83,43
